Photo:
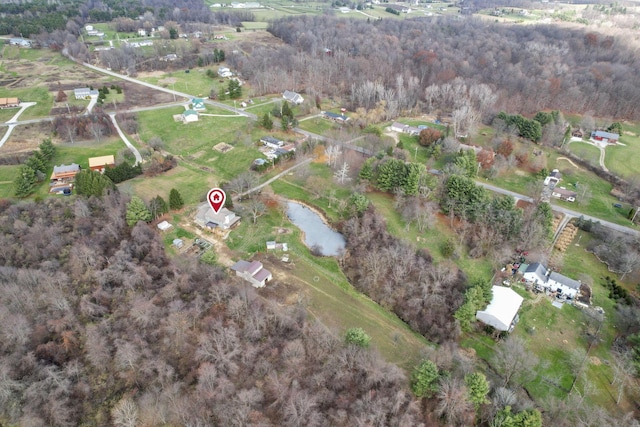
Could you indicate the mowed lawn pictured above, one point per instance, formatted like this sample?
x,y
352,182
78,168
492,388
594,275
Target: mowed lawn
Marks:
x,y
40,95
331,298
623,160
7,175
191,182
585,151
194,82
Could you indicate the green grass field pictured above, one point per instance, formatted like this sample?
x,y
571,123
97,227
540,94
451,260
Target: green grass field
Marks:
x,y
194,82
191,182
40,95
7,175
317,125
623,160
586,151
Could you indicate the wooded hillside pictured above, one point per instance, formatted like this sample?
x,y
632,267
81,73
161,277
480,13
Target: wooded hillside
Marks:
x,y
531,68
100,328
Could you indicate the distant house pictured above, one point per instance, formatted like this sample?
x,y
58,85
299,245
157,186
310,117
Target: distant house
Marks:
x,y
62,178
402,128
271,142
85,92
293,97
502,311
89,28
608,137
339,118
198,104
178,243
9,102
190,116
169,57
65,172
219,36
564,194
553,179
399,8
344,9
253,272
224,72
142,32
101,163
21,42
577,133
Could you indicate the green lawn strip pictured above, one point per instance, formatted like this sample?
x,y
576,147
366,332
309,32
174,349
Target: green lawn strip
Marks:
x,y
37,94
191,182
6,114
194,82
586,151
317,125
294,191
7,175
80,152
623,159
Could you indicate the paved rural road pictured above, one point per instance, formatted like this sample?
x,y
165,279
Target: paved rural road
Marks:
x,y
568,212
133,149
163,89
11,123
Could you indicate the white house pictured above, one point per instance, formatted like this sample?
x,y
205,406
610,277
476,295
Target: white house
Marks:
x,y
84,93
271,142
293,97
19,41
502,311
221,221
536,274
224,72
190,116
142,32
563,285
553,179
253,272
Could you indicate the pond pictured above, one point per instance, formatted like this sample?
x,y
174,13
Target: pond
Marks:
x,y
317,234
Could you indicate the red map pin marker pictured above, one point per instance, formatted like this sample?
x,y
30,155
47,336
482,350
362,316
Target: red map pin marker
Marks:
x,y
216,198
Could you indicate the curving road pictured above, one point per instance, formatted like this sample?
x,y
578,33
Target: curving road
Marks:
x,y
570,213
12,122
133,149
163,89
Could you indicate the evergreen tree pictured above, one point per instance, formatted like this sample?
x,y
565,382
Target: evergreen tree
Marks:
x,y
47,149
25,181
235,90
158,207
357,336
92,183
175,199
266,122
424,380
366,173
137,211
478,388
286,110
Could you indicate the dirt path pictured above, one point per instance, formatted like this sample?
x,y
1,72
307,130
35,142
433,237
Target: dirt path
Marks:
x,y
570,161
269,181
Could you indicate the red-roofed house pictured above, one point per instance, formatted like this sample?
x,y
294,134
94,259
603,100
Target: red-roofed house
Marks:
x,y
253,272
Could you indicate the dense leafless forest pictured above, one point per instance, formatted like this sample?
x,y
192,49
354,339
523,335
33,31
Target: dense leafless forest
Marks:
x,y
390,272
401,63
101,328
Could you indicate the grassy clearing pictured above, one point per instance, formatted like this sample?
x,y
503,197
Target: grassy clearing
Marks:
x,y
586,151
317,125
80,152
5,115
7,175
192,184
623,159
40,95
195,81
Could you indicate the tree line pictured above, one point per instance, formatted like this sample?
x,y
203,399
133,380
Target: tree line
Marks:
x,y
511,61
